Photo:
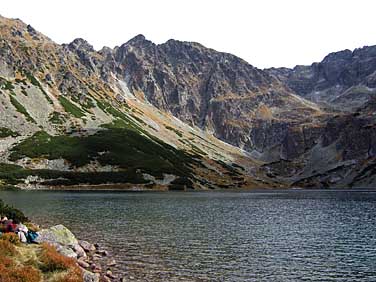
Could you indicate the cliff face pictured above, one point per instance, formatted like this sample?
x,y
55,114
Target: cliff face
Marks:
x,y
344,80
173,104
217,92
343,83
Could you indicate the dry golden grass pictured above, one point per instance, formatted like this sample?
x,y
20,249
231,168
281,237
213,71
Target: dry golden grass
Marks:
x,y
19,274
10,237
6,262
36,263
7,248
51,260
73,275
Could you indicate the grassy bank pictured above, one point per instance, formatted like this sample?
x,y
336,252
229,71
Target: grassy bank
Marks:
x,y
30,262
34,263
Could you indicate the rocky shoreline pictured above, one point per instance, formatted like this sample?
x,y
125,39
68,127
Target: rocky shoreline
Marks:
x,y
96,263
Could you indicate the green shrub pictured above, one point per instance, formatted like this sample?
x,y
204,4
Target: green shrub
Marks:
x,y
36,83
69,107
5,84
6,132
57,118
21,109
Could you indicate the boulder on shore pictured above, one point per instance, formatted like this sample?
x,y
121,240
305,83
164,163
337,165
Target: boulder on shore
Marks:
x,y
57,235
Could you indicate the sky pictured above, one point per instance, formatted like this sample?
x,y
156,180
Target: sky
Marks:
x,y
266,33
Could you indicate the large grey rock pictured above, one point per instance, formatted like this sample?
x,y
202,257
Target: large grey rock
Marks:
x,y
57,235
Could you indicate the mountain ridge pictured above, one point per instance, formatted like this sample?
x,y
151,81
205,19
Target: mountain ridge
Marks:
x,y
187,96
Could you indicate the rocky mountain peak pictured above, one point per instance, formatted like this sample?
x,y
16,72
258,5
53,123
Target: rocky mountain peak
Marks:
x,y
343,80
343,55
139,41
80,44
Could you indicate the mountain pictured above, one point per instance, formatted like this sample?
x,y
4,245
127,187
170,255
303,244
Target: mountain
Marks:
x,y
343,80
344,83
67,119
179,115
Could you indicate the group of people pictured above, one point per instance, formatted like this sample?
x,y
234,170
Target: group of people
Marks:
x,y
14,226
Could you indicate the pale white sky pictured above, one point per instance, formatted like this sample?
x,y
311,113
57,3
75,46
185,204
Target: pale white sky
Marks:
x,y
266,33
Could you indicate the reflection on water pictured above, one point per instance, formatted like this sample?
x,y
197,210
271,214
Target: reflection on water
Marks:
x,y
221,236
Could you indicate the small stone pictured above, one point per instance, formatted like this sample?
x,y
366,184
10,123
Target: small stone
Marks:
x,y
111,262
90,277
87,246
102,253
105,278
83,264
96,268
110,274
79,251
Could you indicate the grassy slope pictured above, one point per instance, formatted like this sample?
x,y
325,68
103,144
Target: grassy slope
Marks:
x,y
69,107
120,145
21,109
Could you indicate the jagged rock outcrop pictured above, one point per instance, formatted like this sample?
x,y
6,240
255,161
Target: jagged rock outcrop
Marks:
x,y
343,80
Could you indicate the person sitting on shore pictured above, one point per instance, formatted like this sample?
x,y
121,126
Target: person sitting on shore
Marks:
x,y
21,230
10,226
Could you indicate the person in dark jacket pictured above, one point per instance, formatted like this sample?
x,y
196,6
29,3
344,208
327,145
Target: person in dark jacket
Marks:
x,y
10,226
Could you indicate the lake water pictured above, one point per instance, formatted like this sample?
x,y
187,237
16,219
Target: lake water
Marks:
x,y
292,235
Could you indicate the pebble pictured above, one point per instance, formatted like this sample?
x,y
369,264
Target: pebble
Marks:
x,y
96,268
87,246
97,257
104,278
83,264
110,274
111,262
80,251
102,253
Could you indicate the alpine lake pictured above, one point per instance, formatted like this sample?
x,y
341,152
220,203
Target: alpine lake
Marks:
x,y
261,235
